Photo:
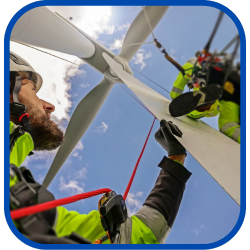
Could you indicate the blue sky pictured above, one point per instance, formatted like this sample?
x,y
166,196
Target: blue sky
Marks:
x,y
108,151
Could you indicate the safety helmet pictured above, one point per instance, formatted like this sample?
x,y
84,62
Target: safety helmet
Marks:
x,y
17,63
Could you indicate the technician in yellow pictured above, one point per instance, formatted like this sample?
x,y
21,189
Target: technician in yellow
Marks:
x,y
32,130
226,103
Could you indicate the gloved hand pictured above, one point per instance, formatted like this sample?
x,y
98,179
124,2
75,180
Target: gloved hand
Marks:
x,y
164,136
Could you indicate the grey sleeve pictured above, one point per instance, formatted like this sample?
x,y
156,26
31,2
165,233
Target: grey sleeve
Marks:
x,y
161,206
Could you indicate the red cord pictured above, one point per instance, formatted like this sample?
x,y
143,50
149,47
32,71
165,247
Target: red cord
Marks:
x,y
22,212
25,114
137,163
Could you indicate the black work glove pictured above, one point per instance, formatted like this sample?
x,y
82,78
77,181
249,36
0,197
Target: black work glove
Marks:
x,y
164,136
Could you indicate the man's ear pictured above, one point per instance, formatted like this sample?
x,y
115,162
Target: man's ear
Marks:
x,y
11,98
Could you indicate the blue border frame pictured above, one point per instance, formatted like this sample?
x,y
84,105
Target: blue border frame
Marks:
x,y
242,117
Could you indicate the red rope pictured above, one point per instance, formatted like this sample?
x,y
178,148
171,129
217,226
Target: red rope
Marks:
x,y
137,163
22,212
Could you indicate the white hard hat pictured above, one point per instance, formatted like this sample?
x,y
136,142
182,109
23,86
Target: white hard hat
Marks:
x,y
17,63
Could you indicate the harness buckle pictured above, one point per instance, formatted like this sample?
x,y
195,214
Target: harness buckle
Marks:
x,y
113,213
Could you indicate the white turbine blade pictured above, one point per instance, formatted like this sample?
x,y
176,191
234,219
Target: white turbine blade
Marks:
x,y
97,61
217,153
139,30
82,117
42,28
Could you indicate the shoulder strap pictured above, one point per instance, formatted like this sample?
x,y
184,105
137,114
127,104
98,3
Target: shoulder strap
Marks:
x,y
15,135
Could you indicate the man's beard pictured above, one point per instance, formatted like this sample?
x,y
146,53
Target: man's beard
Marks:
x,y
45,133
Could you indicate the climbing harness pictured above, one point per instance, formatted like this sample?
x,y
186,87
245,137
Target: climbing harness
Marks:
x,y
113,213
36,227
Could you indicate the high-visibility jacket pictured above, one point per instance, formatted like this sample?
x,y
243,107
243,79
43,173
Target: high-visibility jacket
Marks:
x,y
150,225
178,88
229,120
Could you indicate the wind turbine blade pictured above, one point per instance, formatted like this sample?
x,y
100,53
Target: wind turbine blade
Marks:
x,y
42,28
96,61
82,117
139,30
218,154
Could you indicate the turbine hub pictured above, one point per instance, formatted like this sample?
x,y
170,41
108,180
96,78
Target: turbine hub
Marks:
x,y
112,73
111,76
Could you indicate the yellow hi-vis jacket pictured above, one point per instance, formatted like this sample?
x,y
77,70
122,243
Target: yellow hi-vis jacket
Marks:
x,y
229,120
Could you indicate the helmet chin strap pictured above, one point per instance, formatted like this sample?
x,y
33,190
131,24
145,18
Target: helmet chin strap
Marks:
x,y
18,109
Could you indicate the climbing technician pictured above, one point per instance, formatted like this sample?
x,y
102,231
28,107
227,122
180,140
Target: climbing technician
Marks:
x,y
216,90
214,79
41,218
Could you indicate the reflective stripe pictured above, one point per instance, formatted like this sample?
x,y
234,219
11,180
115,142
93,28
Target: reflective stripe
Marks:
x,y
56,219
13,127
236,134
228,126
202,98
126,231
177,90
155,221
211,114
215,113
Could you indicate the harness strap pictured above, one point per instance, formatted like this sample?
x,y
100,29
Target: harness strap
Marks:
x,y
17,88
15,135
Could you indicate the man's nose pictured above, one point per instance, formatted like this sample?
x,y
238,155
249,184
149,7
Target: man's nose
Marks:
x,y
48,106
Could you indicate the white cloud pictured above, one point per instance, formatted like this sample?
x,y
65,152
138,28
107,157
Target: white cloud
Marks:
x,y
84,85
140,57
94,20
72,187
123,26
133,202
199,230
81,174
117,44
101,129
79,146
